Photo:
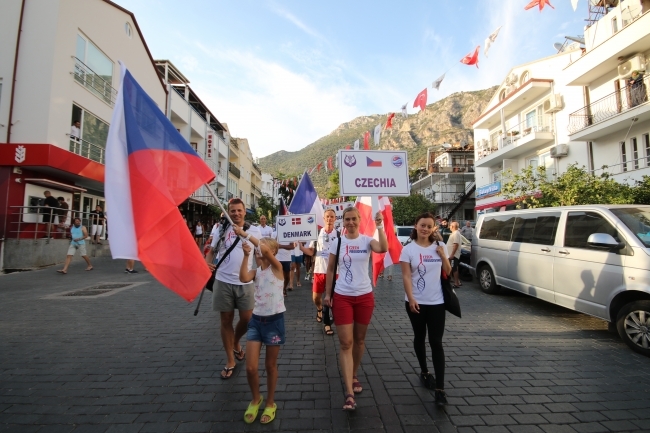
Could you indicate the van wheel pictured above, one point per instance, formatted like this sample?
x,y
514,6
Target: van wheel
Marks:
x,y
633,324
486,280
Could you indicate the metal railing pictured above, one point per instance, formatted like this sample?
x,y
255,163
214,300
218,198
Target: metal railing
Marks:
x,y
514,134
87,149
257,169
452,168
234,170
609,106
94,82
624,167
234,144
257,190
44,222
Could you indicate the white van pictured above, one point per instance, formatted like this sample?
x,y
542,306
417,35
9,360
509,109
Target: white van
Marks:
x,y
592,259
403,234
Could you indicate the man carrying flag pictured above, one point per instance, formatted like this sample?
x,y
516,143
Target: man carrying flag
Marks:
x,y
228,291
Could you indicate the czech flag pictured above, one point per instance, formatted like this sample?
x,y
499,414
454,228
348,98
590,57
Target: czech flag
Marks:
x,y
371,163
306,200
150,170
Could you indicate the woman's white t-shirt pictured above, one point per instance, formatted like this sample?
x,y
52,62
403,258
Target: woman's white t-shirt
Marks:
x,y
323,250
426,266
297,251
353,265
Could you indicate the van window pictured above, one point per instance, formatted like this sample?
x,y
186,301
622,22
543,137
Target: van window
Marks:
x,y
535,229
580,225
498,228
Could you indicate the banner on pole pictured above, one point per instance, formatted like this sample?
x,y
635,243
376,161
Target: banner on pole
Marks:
x,y
297,228
379,172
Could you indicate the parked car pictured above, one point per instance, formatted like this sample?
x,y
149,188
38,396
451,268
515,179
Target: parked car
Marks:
x,y
592,259
404,233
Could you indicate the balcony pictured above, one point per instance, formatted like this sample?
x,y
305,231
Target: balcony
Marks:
x,y
94,82
88,150
611,113
234,170
452,168
256,190
518,140
257,169
222,176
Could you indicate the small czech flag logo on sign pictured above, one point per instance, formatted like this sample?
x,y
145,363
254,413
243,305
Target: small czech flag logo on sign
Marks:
x,y
397,161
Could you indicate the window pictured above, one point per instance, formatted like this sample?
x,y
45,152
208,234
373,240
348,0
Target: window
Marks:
x,y
497,228
590,155
635,154
614,25
525,76
536,229
548,163
127,30
580,225
531,119
623,156
94,134
646,144
532,162
94,70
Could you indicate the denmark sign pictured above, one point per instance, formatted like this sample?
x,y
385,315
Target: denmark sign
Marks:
x,y
297,228
378,172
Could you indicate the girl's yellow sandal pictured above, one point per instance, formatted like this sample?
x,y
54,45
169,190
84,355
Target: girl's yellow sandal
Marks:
x,y
251,413
269,412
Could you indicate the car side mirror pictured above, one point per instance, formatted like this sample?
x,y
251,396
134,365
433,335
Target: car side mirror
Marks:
x,y
604,240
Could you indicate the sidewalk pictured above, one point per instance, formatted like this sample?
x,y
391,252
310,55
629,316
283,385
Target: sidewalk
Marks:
x,y
140,361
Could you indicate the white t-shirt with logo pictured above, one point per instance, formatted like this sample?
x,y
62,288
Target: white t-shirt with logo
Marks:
x,y
282,255
426,266
323,250
354,257
228,271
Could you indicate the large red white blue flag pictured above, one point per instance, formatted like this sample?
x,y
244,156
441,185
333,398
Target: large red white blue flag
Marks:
x,y
150,170
306,200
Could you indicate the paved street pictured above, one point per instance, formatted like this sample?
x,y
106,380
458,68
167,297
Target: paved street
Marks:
x,y
139,361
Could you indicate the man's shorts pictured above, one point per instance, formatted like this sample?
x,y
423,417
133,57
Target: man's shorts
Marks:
x,y
266,329
318,286
353,309
454,264
296,259
286,266
97,230
228,297
72,249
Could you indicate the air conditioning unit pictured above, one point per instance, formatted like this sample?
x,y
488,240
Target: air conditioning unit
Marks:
x,y
636,63
559,150
553,103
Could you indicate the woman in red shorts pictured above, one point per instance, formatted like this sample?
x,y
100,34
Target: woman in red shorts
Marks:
x,y
354,301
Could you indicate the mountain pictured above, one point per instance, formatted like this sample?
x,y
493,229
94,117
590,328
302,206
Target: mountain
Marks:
x,y
448,120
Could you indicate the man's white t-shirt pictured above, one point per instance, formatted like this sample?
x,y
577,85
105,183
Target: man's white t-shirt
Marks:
x,y
228,271
354,257
426,266
215,230
297,252
454,238
323,251
282,255
266,231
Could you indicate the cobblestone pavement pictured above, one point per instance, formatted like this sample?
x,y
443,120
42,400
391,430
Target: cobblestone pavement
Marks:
x,y
139,361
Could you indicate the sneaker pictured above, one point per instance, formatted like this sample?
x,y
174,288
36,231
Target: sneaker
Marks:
x,y
441,398
126,271
132,271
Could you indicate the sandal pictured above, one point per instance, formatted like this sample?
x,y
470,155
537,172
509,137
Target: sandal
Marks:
x,y
350,404
90,268
319,315
328,330
228,371
269,412
356,385
239,356
62,272
251,413
428,380
298,284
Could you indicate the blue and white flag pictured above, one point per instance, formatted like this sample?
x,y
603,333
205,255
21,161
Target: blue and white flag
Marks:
x,y
306,200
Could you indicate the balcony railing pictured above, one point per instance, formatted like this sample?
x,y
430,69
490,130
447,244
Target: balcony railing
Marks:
x,y
94,82
257,169
87,150
234,170
624,167
514,134
452,168
257,190
609,106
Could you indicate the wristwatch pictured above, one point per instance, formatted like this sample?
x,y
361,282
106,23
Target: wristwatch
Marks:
x,y
248,236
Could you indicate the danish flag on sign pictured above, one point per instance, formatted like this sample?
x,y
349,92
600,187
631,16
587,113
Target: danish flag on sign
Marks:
x,y
295,221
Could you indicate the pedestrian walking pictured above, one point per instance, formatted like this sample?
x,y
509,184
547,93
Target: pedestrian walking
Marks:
x,y
198,233
130,264
354,301
78,234
62,212
454,252
97,218
49,213
318,250
284,257
422,262
229,293
296,261
467,231
267,322
266,231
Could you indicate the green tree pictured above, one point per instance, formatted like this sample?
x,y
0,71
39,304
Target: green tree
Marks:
x,y
533,188
265,206
641,191
333,185
406,209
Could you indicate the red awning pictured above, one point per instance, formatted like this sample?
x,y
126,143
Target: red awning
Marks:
x,y
494,204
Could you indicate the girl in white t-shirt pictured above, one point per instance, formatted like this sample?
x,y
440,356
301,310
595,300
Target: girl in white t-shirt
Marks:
x,y
354,301
266,324
422,261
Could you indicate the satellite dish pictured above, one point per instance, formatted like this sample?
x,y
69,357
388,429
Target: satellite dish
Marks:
x,y
463,143
446,145
558,46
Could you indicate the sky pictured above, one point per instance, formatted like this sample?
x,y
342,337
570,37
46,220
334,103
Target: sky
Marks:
x,y
285,73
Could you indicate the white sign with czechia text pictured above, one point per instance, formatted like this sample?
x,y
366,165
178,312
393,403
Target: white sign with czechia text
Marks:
x,y
373,172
